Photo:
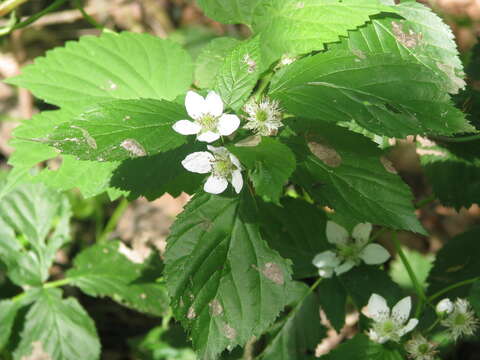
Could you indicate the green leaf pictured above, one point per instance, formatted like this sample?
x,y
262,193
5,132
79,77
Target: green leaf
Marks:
x,y
382,92
105,270
299,333
361,348
40,216
230,12
421,265
444,161
239,73
121,129
211,59
71,332
296,230
111,66
474,297
349,173
269,165
456,262
226,284
295,27
333,300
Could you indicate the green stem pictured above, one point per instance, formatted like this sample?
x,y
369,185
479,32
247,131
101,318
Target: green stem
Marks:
x,y
426,201
166,319
457,139
264,82
433,325
452,287
48,285
33,18
10,5
114,219
411,274
86,16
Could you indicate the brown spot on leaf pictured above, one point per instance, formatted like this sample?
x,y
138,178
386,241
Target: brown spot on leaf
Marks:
x,y
133,147
274,273
387,164
409,39
191,314
215,307
38,353
325,153
230,333
88,138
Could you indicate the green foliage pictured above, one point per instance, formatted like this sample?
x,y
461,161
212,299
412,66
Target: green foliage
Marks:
x,y
226,284
230,12
113,270
333,300
360,348
421,265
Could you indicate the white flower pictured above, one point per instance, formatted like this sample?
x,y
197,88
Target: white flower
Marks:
x,y
461,321
223,166
444,307
389,325
209,120
349,252
420,348
264,117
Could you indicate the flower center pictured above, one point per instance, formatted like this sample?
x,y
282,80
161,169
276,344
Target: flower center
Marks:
x,y
223,166
208,122
262,116
349,251
460,320
423,349
388,326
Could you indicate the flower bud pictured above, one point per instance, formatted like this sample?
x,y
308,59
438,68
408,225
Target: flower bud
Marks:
x,y
444,307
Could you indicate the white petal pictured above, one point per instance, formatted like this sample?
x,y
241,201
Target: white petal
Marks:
x,y
444,307
374,254
215,185
227,124
346,266
195,104
214,104
409,327
198,162
216,149
326,259
361,232
401,311
325,272
373,335
186,127
235,161
208,136
237,181
336,234
377,308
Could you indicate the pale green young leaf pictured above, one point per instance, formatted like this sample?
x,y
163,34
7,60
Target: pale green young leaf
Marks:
x,y
299,332
226,284
269,165
239,73
349,173
421,265
113,270
120,130
211,59
230,12
111,66
71,332
292,27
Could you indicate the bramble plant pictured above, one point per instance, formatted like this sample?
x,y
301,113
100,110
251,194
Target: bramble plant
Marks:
x,y
283,138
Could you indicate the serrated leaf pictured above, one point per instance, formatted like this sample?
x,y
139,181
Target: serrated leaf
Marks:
x,y
230,12
225,284
361,348
41,217
239,73
349,173
444,161
456,262
111,66
333,300
269,164
211,59
120,130
295,27
105,270
420,264
382,92
296,230
299,333
71,332
474,297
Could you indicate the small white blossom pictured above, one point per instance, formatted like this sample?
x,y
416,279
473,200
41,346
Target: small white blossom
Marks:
x,y
264,117
461,321
420,348
350,251
444,307
389,325
223,166
209,120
